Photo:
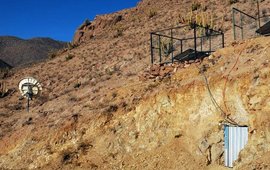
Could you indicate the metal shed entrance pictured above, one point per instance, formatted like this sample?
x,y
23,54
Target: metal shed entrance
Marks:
x,y
235,139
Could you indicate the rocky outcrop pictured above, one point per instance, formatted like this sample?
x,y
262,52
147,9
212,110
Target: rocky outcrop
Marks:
x,y
89,30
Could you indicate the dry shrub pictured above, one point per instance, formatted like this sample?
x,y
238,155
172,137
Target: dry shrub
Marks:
x,y
84,147
232,1
195,6
152,13
52,54
67,157
77,85
69,57
72,45
4,73
112,108
3,89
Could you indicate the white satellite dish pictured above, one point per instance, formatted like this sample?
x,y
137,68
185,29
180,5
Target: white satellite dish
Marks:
x,y
29,87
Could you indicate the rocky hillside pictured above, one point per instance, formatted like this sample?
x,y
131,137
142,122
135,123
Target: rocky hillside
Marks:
x,y
16,51
156,15
104,107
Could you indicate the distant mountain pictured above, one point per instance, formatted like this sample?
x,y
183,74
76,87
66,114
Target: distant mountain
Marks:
x,y
16,51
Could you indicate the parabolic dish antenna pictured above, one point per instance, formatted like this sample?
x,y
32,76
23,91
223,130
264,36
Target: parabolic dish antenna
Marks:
x,y
29,87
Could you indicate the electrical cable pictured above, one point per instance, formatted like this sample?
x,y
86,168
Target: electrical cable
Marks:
x,y
227,78
226,118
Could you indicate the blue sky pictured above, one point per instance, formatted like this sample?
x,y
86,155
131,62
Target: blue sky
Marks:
x,y
57,19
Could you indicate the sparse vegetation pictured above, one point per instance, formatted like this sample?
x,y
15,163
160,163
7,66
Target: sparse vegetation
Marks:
x,y
112,108
52,54
167,47
204,19
67,157
152,13
232,1
118,30
4,73
84,147
111,70
72,45
119,33
85,23
69,57
72,98
114,95
93,166
195,6
77,85
3,89
204,7
151,86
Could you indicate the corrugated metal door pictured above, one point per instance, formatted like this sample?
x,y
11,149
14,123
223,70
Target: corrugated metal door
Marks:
x,y
235,139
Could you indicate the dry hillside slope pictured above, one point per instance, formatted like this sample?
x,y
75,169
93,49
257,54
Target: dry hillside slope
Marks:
x,y
103,107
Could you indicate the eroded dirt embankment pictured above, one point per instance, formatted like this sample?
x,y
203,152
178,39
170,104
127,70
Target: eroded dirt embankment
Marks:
x,y
174,124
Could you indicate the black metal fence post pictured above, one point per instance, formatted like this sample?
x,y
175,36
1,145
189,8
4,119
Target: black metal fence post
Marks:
x,y
242,26
169,49
238,20
195,39
171,46
151,44
159,46
259,17
28,103
233,21
223,40
210,43
181,46
201,43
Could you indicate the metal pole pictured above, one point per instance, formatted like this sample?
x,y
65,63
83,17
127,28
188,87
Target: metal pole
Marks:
x,y
159,46
181,46
210,44
28,103
259,18
29,96
201,43
223,40
195,39
242,28
151,44
233,21
171,44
